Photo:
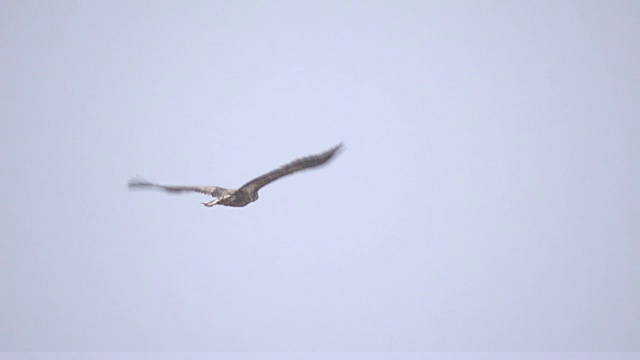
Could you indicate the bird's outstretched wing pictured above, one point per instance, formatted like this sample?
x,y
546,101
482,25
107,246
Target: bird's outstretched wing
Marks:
x,y
294,166
209,190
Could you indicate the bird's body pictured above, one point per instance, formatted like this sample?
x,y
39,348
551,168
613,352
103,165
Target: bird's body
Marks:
x,y
237,199
248,192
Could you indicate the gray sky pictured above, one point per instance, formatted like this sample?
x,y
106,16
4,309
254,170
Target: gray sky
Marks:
x,y
487,197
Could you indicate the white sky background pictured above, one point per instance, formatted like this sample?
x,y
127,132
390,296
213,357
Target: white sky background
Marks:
x,y
487,199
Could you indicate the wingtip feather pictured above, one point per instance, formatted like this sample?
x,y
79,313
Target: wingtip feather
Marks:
x,y
138,183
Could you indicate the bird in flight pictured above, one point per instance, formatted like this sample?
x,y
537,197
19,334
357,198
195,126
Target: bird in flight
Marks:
x,y
248,192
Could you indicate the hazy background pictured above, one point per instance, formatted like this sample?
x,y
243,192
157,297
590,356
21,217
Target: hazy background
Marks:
x,y
487,199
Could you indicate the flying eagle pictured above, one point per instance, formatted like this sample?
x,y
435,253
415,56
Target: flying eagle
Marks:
x,y
248,192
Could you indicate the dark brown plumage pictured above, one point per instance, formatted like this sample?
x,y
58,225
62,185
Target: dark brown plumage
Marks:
x,y
248,192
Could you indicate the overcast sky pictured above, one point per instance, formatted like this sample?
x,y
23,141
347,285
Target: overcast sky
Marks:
x,y
487,198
